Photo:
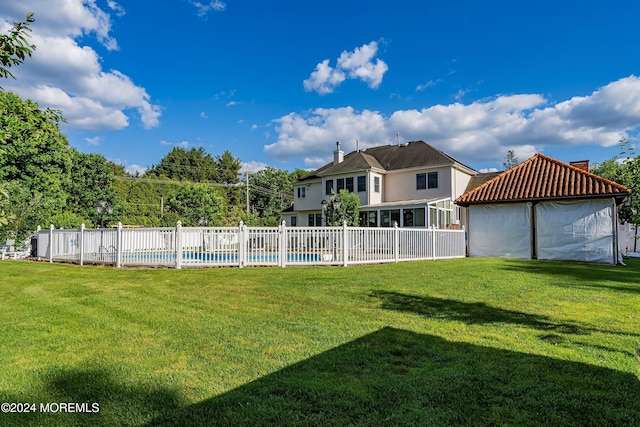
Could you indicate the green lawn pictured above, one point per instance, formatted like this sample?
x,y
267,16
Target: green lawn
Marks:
x,y
458,342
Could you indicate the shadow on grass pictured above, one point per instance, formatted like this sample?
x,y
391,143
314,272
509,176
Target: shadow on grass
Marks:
x,y
118,403
475,313
396,377
584,276
389,377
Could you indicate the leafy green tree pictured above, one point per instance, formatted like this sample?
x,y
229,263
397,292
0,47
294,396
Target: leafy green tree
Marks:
x,y
14,47
28,209
143,200
35,159
69,220
194,165
4,199
349,210
32,148
228,174
91,181
270,193
625,171
197,204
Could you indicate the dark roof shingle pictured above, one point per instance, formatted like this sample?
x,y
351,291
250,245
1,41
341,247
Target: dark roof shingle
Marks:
x,y
388,158
541,177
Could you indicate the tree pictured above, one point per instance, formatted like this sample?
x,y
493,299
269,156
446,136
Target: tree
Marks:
x,y
625,171
4,199
14,47
194,165
510,160
270,193
35,159
197,204
228,174
28,210
91,181
349,210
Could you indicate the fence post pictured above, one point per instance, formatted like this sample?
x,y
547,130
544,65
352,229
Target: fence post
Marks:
x,y
179,245
433,241
81,243
38,243
51,228
345,243
119,246
241,245
283,244
396,242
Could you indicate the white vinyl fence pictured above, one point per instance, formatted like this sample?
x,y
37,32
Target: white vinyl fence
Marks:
x,y
629,237
247,246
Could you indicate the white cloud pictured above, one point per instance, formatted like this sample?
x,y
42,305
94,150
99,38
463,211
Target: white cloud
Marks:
x,y
358,64
95,141
483,130
65,75
181,144
253,166
324,79
204,115
135,169
203,9
132,169
119,10
430,83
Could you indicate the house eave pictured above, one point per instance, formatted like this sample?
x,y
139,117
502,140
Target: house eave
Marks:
x,y
619,197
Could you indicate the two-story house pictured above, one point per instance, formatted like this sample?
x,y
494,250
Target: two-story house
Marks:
x,y
413,185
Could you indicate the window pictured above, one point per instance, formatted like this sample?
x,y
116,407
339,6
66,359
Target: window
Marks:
x,y
414,217
432,180
369,219
340,184
302,192
421,181
362,183
388,217
315,220
349,184
418,217
294,221
328,186
376,184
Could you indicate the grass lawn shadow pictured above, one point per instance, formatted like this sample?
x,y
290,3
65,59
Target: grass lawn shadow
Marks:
x,y
119,403
396,377
583,275
477,313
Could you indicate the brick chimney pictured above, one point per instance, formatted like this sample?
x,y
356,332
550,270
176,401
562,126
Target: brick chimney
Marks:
x,y
581,164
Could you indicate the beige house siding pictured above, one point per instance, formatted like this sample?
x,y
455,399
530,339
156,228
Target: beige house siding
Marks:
x,y
401,185
313,196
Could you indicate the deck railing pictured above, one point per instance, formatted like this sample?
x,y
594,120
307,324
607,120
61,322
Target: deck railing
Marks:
x,y
247,246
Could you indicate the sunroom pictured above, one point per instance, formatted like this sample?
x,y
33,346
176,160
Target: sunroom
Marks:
x,y
439,213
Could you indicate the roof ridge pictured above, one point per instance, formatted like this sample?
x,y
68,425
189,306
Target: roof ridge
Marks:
x,y
542,177
581,171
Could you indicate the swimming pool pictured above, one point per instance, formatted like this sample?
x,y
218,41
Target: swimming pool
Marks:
x,y
222,257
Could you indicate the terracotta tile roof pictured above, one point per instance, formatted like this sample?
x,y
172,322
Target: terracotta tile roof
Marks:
x,y
541,177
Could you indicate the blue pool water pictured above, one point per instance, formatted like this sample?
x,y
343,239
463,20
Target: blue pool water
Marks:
x,y
208,257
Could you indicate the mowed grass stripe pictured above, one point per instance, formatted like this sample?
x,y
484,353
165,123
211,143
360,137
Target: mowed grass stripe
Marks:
x,y
272,345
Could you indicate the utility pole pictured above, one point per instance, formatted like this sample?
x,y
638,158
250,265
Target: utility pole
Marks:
x,y
246,174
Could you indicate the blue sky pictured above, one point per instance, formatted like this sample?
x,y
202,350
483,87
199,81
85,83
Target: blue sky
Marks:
x,y
279,82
